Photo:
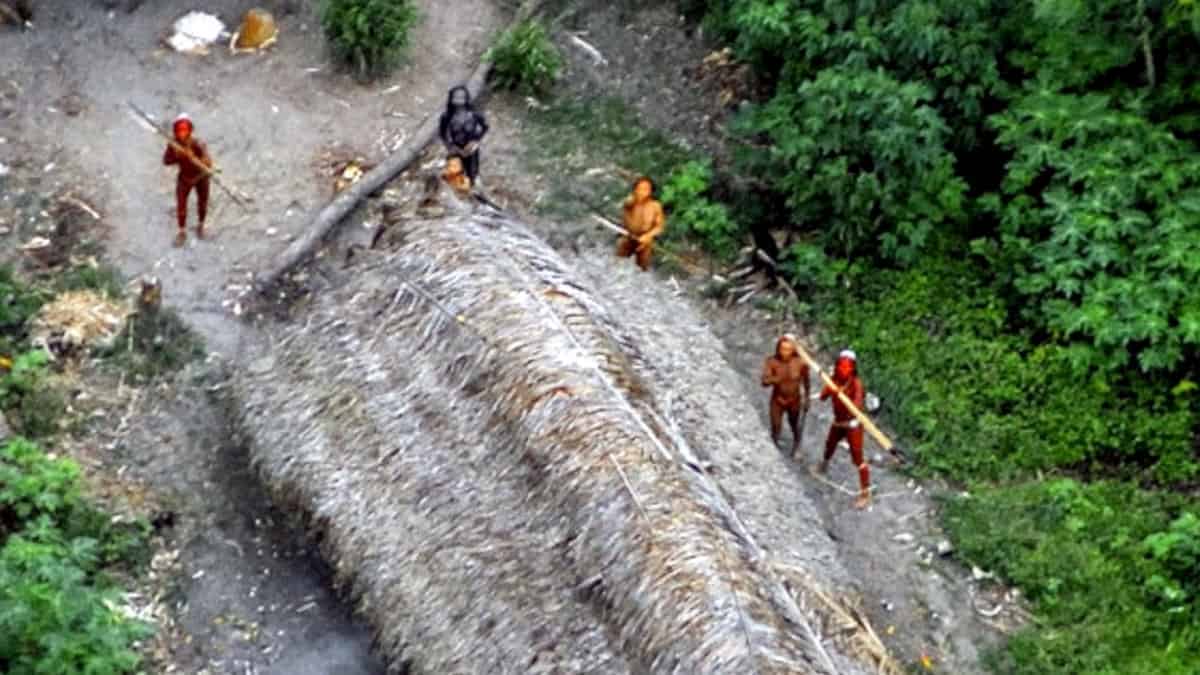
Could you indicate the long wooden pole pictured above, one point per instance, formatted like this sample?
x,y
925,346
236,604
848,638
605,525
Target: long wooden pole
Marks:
x,y
611,225
881,438
145,120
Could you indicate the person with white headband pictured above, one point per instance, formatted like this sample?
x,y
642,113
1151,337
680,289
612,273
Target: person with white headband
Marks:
x,y
845,424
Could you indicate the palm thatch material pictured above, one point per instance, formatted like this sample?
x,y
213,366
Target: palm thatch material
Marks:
x,y
516,479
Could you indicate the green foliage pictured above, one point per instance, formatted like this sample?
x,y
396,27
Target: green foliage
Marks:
x,y
525,60
101,278
1177,551
811,270
683,196
864,156
34,408
369,36
60,609
18,302
1098,561
1098,225
1058,138
153,345
982,402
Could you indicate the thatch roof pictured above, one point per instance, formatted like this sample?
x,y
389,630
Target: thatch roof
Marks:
x,y
525,490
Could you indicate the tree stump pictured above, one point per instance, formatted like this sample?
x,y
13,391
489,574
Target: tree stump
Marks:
x,y
150,296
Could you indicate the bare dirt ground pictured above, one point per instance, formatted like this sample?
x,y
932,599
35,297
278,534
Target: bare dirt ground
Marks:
x,y
249,595
272,121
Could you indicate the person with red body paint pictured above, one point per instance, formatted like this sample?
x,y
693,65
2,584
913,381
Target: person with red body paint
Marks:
x,y
191,175
845,425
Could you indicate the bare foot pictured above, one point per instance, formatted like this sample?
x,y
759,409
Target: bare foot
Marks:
x,y
796,455
863,501
180,238
200,231
822,468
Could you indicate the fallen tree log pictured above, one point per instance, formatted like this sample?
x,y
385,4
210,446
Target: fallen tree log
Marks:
x,y
517,471
333,213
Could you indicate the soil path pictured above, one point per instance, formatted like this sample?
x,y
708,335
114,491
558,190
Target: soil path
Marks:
x,y
253,598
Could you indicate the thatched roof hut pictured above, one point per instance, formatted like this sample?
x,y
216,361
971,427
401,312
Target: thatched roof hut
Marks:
x,y
518,474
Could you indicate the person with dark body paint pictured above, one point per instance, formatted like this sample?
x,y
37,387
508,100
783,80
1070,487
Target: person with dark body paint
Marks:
x,y
191,175
461,129
845,424
787,375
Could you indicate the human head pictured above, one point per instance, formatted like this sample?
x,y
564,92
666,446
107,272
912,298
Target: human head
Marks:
x,y
847,365
454,165
785,347
458,97
182,126
643,187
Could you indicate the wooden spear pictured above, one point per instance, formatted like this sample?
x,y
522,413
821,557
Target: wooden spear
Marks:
x,y
608,224
881,438
146,121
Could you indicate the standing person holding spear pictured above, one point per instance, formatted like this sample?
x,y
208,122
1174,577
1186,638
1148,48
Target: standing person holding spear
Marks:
x,y
845,424
849,420
195,170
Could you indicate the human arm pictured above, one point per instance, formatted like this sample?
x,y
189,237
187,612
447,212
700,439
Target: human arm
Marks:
x,y
769,378
200,152
170,157
656,229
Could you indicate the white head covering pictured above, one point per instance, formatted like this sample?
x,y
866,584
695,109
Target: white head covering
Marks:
x,y
848,354
790,337
183,117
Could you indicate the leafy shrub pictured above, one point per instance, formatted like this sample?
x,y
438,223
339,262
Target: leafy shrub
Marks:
x,y
810,269
864,156
683,196
60,609
524,59
24,393
369,36
1077,552
1177,551
18,302
1097,222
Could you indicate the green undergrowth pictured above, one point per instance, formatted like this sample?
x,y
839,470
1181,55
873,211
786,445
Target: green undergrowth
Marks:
x,y
153,346
63,560
1108,566
1110,569
982,402
59,561
618,149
